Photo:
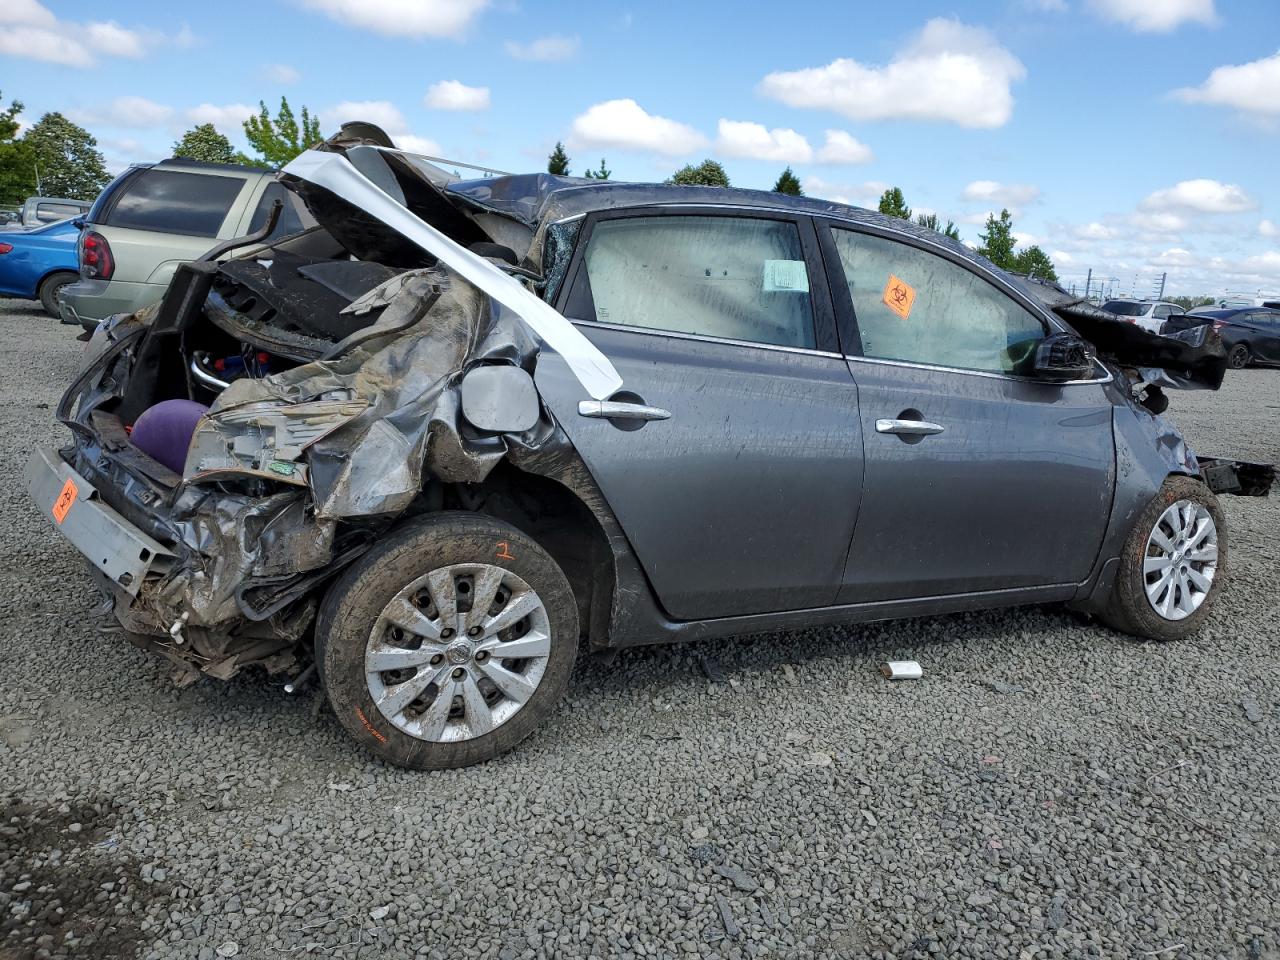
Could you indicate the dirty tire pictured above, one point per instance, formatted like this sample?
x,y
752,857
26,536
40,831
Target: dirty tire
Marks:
x,y
50,287
1238,358
352,607
1128,609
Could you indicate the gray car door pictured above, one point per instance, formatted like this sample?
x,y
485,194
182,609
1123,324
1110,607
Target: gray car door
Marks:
x,y
978,477
743,499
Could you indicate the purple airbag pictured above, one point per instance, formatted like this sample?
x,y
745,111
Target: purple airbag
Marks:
x,y
164,431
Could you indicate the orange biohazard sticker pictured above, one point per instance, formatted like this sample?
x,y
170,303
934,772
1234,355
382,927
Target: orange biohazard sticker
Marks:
x,y
899,296
66,498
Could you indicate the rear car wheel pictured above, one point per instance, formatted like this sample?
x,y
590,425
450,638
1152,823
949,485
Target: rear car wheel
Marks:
x,y
1173,565
1238,357
50,287
448,643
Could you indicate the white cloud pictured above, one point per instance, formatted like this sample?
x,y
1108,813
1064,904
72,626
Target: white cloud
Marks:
x,y
625,125
1200,196
228,118
1266,262
1011,195
1158,224
1061,258
452,95
1024,239
27,13
136,113
742,138
544,48
37,43
114,40
949,72
416,144
865,194
1155,16
1252,87
28,29
403,18
282,73
841,147
1268,229
1095,231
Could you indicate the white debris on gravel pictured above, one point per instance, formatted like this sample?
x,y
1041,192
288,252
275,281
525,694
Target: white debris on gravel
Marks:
x,y
806,809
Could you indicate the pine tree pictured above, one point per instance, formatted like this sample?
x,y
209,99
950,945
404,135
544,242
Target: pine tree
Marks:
x,y
893,204
280,140
601,174
67,158
932,221
205,143
558,162
997,242
788,183
708,174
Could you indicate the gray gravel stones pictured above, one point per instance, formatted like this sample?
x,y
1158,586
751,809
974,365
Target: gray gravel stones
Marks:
x,y
1125,803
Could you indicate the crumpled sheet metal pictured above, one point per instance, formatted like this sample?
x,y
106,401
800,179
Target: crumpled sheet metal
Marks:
x,y
334,173
409,382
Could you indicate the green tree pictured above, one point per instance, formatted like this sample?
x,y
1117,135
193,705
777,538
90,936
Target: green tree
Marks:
x,y
204,142
558,162
788,183
280,140
1034,262
17,166
933,222
708,174
1190,303
893,204
997,242
601,174
67,159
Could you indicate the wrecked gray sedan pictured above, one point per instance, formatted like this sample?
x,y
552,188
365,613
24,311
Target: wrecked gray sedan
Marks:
x,y
380,446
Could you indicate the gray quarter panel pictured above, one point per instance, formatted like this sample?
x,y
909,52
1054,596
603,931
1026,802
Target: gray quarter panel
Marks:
x,y
1015,492
744,501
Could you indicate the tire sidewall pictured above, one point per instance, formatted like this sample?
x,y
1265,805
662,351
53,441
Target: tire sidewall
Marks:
x,y
50,286
1131,610
357,599
1239,351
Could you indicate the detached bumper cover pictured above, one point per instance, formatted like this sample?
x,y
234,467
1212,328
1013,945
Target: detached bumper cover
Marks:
x,y
1239,477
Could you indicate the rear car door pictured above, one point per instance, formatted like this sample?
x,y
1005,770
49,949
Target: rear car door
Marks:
x,y
744,499
1265,335
977,476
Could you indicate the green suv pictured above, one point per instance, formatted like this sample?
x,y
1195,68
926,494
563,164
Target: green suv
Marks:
x,y
154,217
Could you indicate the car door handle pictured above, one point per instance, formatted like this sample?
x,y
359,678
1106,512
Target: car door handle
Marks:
x,y
618,410
908,428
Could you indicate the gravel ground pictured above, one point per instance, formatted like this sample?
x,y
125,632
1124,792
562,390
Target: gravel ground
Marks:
x,y
1049,789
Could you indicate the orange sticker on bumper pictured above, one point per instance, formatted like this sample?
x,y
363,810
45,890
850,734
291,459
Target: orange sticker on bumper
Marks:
x,y
66,499
899,296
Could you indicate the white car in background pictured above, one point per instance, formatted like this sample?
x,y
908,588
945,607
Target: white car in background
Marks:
x,y
1150,315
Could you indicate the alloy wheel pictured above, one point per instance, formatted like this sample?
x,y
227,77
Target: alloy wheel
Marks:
x,y
458,652
1181,560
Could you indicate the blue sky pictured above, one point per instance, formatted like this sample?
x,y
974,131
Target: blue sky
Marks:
x,y
1131,136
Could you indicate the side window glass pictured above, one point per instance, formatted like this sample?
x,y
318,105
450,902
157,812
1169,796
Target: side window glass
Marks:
x,y
294,217
914,306
732,277
170,202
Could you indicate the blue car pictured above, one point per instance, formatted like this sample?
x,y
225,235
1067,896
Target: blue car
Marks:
x,y
36,264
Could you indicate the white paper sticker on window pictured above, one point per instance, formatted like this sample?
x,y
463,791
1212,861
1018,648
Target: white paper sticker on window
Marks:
x,y
785,276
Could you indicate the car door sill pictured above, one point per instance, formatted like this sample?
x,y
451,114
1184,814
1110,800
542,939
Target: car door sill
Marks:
x,y
671,631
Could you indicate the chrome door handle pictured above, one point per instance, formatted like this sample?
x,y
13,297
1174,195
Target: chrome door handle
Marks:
x,y
908,428
617,410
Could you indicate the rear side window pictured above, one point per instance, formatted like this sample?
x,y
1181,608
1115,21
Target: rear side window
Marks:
x,y
735,278
915,306
52,212
170,202
294,218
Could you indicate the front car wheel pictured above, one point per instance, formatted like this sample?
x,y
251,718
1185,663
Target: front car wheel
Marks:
x,y
1173,564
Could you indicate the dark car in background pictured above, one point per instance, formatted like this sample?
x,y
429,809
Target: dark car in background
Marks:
x,y
1250,334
